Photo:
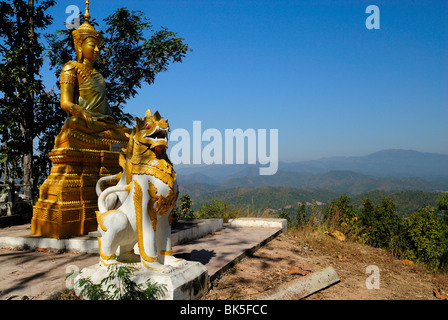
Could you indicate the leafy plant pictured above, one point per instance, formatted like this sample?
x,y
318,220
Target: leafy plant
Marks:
x,y
384,226
285,215
301,215
184,211
425,236
120,286
442,204
343,210
21,58
217,209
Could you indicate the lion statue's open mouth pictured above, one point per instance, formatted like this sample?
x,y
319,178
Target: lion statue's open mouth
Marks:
x,y
152,132
158,136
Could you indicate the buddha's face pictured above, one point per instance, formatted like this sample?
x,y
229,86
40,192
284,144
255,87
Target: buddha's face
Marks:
x,y
91,49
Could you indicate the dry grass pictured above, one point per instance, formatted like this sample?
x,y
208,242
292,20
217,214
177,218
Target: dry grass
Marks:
x,y
312,246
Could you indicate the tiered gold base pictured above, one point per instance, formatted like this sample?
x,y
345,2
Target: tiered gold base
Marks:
x,y
67,199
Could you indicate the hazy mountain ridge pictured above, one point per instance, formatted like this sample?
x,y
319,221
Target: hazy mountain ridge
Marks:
x,y
385,163
387,170
411,186
338,181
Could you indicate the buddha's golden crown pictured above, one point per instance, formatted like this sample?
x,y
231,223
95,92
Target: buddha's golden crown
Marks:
x,y
85,30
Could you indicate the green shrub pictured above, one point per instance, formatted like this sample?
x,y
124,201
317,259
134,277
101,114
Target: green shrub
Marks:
x,y
217,209
442,203
341,212
385,227
184,211
285,215
341,215
301,215
425,236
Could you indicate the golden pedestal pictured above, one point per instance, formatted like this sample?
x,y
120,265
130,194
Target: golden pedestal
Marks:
x,y
67,199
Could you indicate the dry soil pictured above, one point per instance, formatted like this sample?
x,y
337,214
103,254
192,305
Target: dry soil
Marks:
x,y
295,255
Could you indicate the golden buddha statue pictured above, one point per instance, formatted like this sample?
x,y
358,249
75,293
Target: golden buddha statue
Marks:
x,y
87,148
83,92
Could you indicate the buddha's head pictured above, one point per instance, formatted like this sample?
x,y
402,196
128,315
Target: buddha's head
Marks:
x,y
89,49
87,40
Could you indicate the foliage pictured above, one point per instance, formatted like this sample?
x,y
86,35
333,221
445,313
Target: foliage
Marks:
x,y
383,224
442,202
285,215
265,197
442,205
217,209
367,212
22,57
120,286
184,211
301,215
277,198
406,202
422,236
212,209
425,237
342,211
49,118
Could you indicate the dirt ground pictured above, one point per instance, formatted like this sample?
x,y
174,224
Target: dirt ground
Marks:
x,y
297,253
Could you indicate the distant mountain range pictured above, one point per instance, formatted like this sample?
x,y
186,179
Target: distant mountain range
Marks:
x,y
387,170
386,163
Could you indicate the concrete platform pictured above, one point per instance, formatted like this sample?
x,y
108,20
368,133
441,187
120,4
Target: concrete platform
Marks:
x,y
222,250
38,273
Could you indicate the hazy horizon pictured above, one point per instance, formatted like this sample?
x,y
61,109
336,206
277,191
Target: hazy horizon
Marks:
x,y
322,158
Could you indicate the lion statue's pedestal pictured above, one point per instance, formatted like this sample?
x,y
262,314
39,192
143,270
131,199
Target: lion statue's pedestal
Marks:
x,y
188,282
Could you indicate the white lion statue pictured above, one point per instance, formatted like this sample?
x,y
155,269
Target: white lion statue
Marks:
x,y
139,208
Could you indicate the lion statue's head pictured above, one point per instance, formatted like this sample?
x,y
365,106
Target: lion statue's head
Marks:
x,y
149,139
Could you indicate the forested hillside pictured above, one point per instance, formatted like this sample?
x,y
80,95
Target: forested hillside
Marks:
x,y
276,199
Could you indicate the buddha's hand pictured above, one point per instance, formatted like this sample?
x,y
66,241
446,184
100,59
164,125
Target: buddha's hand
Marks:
x,y
87,118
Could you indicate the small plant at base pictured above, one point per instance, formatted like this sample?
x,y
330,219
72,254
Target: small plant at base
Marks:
x,y
120,286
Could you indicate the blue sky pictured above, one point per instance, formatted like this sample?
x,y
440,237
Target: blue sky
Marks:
x,y
310,69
